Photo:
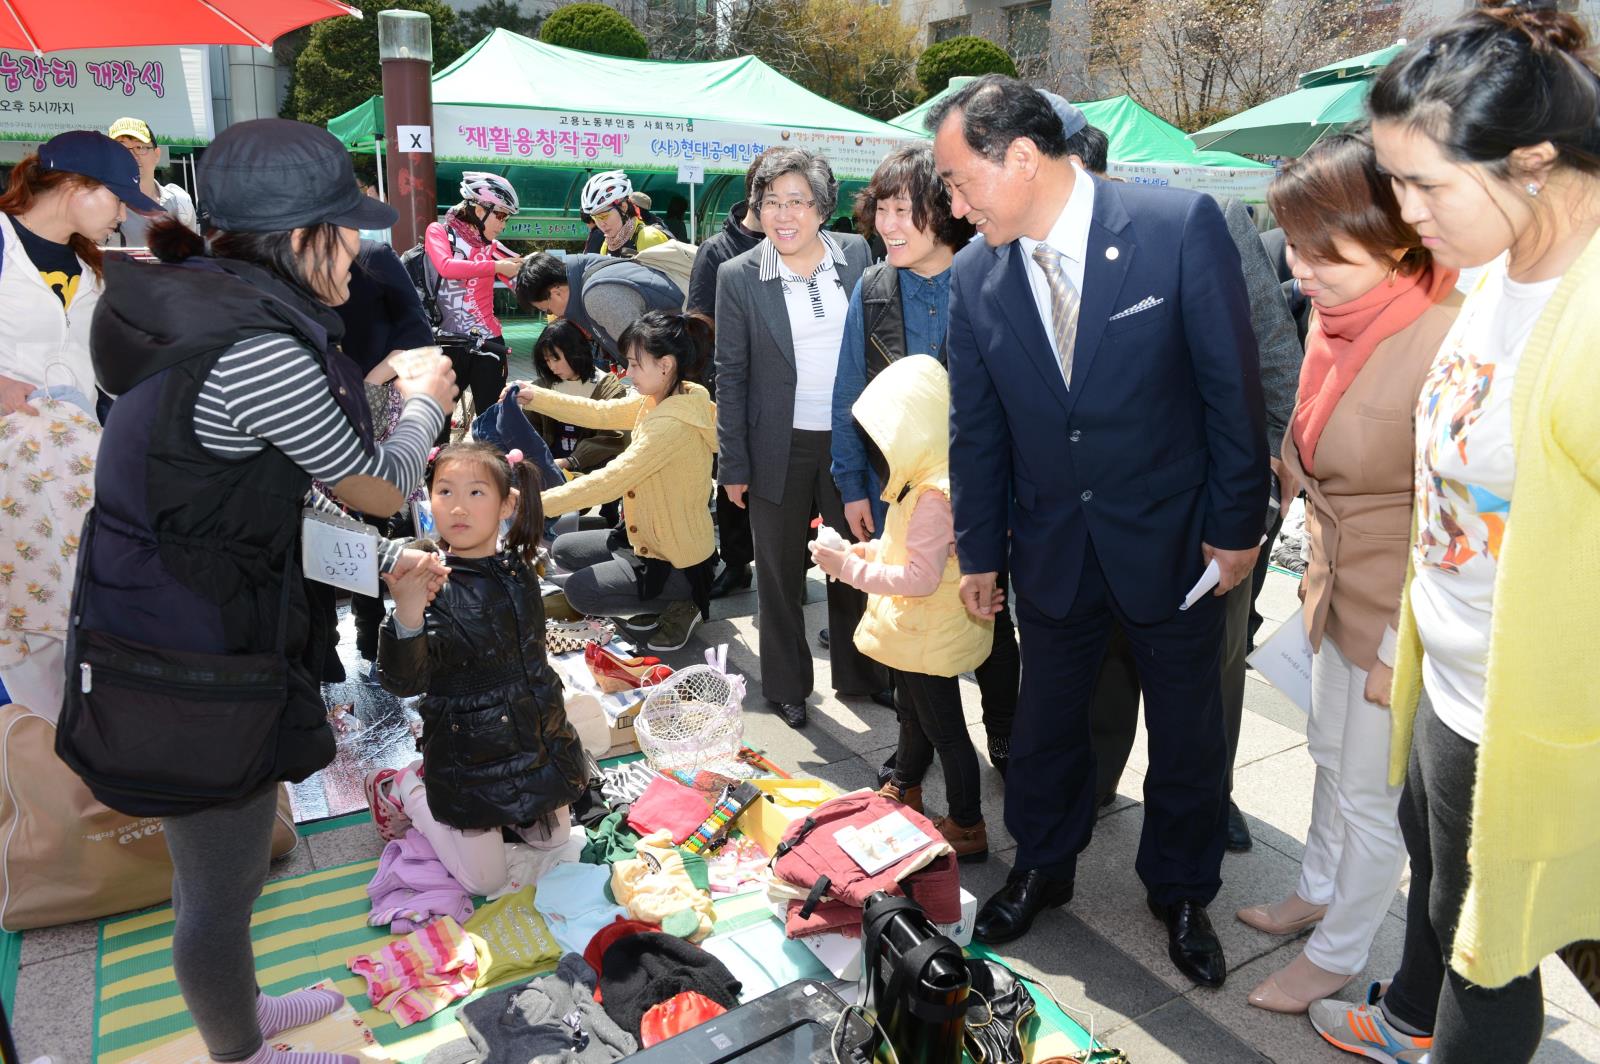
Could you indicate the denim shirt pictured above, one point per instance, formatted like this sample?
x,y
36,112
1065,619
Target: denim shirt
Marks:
x,y
925,307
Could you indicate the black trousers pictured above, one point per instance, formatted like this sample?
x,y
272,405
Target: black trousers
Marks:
x,y
1470,1024
932,721
1258,580
998,678
1114,715
780,531
483,373
733,533
1050,791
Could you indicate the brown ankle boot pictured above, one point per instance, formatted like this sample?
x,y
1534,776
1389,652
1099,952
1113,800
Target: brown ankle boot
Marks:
x,y
970,844
910,797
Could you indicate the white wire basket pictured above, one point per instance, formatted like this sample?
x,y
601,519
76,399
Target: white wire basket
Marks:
x,y
694,720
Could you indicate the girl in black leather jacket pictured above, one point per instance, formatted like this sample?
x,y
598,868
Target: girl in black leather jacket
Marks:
x,y
497,749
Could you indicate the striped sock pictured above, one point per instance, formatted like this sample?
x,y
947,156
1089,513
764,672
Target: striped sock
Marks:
x,y
295,1010
268,1055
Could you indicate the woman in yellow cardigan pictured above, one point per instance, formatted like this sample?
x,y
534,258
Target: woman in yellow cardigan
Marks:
x,y
659,560
1490,128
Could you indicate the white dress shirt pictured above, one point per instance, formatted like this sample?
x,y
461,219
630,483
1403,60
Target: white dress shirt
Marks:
x,y
1070,238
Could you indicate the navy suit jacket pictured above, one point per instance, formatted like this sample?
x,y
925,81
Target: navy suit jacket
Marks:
x,y
1160,444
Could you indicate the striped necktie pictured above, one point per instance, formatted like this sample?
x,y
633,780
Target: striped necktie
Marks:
x,y
1063,305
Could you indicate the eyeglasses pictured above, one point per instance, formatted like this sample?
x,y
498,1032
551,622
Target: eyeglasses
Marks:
x,y
142,149
789,205
504,216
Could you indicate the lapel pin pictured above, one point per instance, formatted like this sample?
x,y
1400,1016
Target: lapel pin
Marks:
x,y
1112,253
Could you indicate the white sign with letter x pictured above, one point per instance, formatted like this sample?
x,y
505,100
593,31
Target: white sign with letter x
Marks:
x,y
414,140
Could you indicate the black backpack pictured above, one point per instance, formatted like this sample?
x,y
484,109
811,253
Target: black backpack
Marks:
x,y
425,278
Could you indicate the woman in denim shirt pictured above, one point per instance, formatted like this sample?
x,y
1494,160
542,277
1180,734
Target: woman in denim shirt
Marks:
x,y
901,307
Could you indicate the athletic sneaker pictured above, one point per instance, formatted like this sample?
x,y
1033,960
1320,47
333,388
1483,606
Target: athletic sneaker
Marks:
x,y
1364,1030
674,625
390,818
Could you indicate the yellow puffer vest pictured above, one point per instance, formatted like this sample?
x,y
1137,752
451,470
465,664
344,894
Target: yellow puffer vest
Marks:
x,y
906,412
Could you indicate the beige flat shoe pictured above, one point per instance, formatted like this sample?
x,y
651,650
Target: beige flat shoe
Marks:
x,y
1288,917
1292,989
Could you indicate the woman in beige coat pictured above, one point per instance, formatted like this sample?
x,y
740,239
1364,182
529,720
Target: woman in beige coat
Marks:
x,y
1381,309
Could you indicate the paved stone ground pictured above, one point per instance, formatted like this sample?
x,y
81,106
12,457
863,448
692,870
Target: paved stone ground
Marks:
x,y
1103,953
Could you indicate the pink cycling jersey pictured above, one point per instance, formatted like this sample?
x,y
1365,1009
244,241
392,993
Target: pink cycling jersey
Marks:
x,y
466,294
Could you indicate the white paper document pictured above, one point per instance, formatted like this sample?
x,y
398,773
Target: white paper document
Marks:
x,y
1208,580
1285,660
339,551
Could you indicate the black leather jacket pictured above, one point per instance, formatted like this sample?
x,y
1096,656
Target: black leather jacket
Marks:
x,y
497,748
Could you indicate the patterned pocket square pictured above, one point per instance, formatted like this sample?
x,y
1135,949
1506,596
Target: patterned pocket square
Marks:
x,y
1147,303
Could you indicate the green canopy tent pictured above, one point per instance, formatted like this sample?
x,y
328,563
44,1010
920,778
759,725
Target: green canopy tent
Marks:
x,y
547,117
1144,148
1329,98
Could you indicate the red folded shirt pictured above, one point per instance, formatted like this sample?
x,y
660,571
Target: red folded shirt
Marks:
x,y
669,804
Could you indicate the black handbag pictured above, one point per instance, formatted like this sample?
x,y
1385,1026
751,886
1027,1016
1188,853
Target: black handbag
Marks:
x,y
160,732
915,980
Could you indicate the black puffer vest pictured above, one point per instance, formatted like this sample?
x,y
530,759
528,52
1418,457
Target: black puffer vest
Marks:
x,y
882,317
497,749
189,551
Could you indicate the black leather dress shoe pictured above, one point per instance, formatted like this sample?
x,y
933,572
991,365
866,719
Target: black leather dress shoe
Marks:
x,y
822,639
1191,942
1239,840
1010,911
732,578
884,698
793,713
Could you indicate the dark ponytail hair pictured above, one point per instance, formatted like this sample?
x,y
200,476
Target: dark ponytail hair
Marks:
x,y
1494,80
686,337
172,241
527,520
564,338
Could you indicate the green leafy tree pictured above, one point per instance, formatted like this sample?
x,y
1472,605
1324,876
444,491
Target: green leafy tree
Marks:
x,y
338,67
594,28
961,56
478,22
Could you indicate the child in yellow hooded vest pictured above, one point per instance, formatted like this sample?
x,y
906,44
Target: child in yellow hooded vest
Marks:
x,y
914,622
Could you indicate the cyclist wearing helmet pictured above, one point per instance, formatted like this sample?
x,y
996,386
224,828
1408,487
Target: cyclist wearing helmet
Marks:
x,y
464,252
608,200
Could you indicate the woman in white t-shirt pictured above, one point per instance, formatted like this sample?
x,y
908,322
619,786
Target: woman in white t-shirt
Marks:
x,y
780,322
1490,129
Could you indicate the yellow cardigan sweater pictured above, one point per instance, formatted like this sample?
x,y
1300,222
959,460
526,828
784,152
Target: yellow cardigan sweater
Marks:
x,y
663,478
1535,846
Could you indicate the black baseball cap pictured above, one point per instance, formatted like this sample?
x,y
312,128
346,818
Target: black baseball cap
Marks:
x,y
92,154
273,174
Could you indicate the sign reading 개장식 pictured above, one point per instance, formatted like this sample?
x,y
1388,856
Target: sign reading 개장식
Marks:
x,y
90,88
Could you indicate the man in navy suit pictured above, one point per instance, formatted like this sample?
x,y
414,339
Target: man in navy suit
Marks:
x,y
1105,413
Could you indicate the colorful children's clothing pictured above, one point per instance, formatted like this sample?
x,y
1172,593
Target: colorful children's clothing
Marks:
x,y
412,887
415,977
511,938
554,1018
572,899
670,806
525,864
655,885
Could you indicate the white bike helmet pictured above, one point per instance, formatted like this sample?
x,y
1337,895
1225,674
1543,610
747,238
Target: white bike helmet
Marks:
x,y
488,190
605,190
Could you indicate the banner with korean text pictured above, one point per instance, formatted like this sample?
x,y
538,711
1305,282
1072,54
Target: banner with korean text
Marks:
x,y
526,136
170,88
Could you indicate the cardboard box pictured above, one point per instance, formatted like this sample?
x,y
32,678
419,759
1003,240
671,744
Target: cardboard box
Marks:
x,y
603,721
842,955
782,801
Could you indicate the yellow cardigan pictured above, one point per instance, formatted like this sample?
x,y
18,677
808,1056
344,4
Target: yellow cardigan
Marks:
x,y
663,477
1535,846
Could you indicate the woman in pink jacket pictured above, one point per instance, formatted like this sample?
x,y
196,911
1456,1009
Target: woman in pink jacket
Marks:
x,y
465,257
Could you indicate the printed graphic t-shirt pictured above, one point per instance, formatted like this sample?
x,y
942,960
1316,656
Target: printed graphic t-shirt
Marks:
x,y
1466,469
56,263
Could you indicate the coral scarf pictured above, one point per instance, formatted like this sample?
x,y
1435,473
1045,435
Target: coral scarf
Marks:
x,y
1341,340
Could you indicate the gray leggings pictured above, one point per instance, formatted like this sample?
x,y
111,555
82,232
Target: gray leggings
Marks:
x,y
219,864
604,585
1470,1024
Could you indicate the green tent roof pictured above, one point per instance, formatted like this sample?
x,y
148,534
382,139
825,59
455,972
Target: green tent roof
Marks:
x,y
1136,134
1359,66
1290,124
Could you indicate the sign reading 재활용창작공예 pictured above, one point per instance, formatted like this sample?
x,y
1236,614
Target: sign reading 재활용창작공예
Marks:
x,y
638,142
170,88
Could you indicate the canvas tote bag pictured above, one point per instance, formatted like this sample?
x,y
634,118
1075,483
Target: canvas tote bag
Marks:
x,y
66,857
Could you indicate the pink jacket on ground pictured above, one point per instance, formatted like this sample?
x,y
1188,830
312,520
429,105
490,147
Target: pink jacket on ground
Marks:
x,y
412,887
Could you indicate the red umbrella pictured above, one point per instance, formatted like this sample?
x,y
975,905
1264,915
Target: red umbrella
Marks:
x,y
52,25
